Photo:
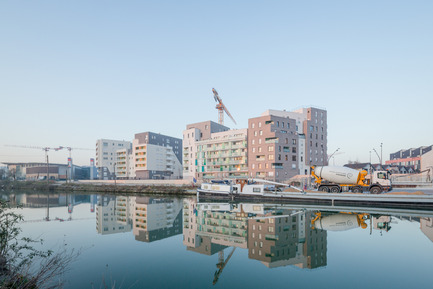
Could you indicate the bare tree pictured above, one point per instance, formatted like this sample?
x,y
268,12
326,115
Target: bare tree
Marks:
x,y
21,265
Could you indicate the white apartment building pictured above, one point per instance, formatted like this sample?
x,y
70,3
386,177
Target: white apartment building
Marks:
x,y
156,156
106,155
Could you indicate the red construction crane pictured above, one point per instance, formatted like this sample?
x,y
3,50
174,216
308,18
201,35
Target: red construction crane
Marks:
x,y
71,171
221,108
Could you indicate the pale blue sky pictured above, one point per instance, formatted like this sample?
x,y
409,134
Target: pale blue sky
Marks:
x,y
73,72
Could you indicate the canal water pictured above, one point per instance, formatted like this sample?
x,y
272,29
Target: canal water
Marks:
x,y
156,242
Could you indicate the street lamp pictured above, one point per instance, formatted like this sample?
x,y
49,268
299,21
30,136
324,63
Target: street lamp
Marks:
x,y
380,159
332,155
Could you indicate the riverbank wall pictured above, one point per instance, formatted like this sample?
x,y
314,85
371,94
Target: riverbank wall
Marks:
x,y
164,187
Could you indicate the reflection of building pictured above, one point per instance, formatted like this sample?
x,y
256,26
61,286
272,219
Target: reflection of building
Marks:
x,y
287,239
106,217
156,219
124,210
426,225
275,237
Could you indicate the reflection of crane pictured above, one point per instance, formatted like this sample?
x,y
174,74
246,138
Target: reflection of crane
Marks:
x,y
221,108
221,264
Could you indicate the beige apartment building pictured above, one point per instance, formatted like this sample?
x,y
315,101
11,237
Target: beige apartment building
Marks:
x,y
194,133
223,155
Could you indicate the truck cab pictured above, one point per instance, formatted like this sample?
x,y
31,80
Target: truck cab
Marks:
x,y
382,179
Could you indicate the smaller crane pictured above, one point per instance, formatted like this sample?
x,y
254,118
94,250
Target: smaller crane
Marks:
x,y
221,108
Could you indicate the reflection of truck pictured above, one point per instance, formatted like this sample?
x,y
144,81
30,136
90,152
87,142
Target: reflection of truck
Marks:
x,y
341,221
338,179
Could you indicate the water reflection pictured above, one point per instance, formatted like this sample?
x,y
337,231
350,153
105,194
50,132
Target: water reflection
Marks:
x,y
149,219
275,235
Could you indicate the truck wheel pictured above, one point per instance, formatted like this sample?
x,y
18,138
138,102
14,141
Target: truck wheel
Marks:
x,y
323,189
356,190
335,189
375,190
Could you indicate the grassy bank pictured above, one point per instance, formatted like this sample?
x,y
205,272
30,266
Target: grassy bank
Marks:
x,y
98,188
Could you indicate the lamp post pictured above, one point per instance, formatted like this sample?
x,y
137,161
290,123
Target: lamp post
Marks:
x,y
381,144
380,159
332,155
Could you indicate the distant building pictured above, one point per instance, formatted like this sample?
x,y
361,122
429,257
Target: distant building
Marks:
x,y
427,162
40,171
409,157
106,156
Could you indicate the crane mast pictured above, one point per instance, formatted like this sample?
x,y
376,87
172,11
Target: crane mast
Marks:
x,y
221,108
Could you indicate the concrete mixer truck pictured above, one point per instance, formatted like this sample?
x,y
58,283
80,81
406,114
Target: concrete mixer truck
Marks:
x,y
343,179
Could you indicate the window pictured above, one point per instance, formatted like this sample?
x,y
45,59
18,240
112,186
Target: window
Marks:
x,y
255,133
271,157
294,158
294,141
252,125
270,149
294,150
261,132
260,124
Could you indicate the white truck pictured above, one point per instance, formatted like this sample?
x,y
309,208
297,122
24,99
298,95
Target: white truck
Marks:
x,y
338,179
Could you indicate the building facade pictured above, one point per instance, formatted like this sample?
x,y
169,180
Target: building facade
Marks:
x,y
312,130
410,157
272,148
223,155
196,132
106,156
157,156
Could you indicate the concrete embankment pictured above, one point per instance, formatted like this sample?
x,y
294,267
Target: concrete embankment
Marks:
x,y
165,187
